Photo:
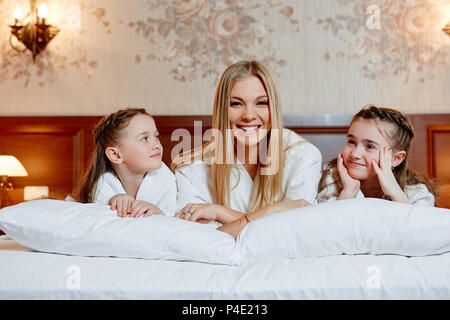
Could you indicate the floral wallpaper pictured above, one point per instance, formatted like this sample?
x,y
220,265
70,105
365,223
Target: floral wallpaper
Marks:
x,y
197,38
408,30
328,55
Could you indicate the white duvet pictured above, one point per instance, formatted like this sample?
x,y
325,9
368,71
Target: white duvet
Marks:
x,y
35,275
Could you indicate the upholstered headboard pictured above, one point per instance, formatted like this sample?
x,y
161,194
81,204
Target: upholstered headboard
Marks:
x,y
56,150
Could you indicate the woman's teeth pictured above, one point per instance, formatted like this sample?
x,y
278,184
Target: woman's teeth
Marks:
x,y
249,128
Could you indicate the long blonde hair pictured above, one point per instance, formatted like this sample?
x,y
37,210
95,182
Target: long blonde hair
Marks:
x,y
267,187
401,137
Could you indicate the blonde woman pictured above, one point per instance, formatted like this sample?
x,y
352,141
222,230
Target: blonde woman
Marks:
x,y
252,167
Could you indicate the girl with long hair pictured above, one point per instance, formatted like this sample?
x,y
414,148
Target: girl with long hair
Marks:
x,y
374,162
126,170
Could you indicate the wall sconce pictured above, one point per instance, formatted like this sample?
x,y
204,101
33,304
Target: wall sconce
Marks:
x,y
33,31
447,29
9,167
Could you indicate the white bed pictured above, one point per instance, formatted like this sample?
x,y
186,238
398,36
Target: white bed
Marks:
x,y
33,275
294,274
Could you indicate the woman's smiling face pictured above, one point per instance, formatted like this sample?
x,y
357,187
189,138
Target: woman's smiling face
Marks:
x,y
248,112
364,142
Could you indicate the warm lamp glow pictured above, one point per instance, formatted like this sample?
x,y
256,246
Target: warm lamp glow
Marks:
x,y
43,11
35,192
17,14
11,167
34,33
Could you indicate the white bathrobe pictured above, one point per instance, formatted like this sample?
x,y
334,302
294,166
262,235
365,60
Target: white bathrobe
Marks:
x,y
416,194
158,188
302,172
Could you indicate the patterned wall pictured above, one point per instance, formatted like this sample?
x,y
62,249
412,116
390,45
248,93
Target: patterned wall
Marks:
x,y
329,56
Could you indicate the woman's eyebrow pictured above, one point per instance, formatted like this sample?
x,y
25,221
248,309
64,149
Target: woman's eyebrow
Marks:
x,y
260,97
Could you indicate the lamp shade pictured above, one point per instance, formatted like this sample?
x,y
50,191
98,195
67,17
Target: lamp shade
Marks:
x,y
11,167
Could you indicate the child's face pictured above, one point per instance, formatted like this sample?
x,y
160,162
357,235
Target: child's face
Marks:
x,y
139,145
364,142
248,112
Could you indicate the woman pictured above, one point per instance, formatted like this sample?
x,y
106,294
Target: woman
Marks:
x,y
252,165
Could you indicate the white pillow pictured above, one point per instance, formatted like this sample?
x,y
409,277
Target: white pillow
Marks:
x,y
95,230
359,226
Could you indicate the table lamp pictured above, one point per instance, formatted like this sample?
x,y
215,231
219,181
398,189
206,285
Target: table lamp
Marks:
x,y
9,167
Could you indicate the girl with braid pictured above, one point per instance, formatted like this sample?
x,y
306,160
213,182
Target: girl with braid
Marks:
x,y
126,171
374,163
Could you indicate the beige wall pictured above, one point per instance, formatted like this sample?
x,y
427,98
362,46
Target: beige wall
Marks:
x,y
329,56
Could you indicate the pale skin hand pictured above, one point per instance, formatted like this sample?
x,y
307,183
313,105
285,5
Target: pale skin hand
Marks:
x,y
121,203
386,177
206,212
351,185
126,205
234,221
235,227
143,208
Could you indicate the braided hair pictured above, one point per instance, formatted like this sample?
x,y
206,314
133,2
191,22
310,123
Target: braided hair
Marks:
x,y
400,133
106,133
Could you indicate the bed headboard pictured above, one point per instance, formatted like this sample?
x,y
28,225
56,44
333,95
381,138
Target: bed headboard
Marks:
x,y
56,150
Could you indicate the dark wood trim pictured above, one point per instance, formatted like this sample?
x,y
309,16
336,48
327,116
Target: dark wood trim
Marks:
x,y
78,145
326,129
319,130
431,146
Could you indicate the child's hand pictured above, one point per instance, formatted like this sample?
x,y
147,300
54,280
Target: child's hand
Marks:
x,y
386,177
350,185
122,203
143,208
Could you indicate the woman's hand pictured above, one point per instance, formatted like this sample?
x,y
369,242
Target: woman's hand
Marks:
x,y
386,177
143,208
281,206
121,203
234,228
199,212
350,185
206,212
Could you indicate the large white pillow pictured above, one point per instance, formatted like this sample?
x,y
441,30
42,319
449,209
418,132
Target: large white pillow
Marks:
x,y
359,226
95,230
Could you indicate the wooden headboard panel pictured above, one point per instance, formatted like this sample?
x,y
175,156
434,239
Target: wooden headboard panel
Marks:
x,y
56,150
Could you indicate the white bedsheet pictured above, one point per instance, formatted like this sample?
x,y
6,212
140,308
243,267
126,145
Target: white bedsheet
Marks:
x,y
35,275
